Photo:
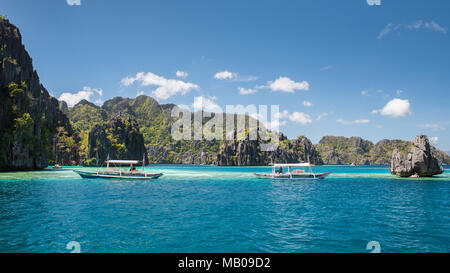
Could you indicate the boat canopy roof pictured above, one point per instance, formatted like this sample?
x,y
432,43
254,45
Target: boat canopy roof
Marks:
x,y
292,165
123,161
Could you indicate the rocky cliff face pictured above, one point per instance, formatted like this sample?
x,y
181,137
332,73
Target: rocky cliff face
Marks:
x,y
342,150
419,162
29,116
119,138
248,152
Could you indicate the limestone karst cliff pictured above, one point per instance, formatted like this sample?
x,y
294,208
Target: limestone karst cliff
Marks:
x,y
31,121
119,139
420,161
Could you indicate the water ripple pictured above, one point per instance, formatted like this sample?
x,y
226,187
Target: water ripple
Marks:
x,y
211,209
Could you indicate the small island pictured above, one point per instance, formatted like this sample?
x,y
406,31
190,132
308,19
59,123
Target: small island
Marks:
x,y
420,161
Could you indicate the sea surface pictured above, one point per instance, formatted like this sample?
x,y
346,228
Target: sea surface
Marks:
x,y
224,209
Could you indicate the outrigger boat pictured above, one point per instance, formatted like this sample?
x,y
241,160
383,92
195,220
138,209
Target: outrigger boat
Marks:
x,y
119,173
292,173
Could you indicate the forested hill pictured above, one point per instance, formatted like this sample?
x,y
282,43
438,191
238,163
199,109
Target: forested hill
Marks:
x,y
154,122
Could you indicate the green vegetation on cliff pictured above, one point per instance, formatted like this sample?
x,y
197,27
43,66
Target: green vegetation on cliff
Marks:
x,y
154,123
29,116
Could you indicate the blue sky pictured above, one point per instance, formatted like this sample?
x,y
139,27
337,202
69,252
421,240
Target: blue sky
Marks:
x,y
370,71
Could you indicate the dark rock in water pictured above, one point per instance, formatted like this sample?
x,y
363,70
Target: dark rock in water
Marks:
x,y
419,162
29,117
119,138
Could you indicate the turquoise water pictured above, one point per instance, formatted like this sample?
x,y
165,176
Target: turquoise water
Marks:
x,y
224,209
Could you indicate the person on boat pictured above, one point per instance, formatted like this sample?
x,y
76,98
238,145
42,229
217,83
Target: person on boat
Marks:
x,y
133,169
280,171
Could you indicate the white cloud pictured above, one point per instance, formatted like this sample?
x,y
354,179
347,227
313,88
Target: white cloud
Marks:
x,y
427,25
88,93
166,87
365,93
233,76
301,118
432,126
128,81
388,29
398,92
282,114
328,67
184,106
225,75
182,74
297,117
73,2
275,124
239,78
285,84
140,93
433,26
434,140
307,103
395,108
206,104
244,91
358,121
322,116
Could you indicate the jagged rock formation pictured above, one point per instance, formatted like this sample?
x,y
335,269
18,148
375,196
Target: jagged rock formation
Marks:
x,y
419,162
31,121
248,152
243,152
119,138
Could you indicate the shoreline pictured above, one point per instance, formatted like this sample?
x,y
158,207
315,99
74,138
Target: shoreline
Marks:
x,y
49,168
